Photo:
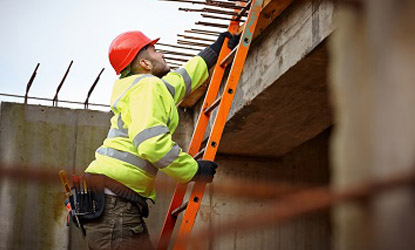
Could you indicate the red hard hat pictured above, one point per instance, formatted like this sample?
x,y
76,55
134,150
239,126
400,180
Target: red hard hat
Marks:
x,y
125,47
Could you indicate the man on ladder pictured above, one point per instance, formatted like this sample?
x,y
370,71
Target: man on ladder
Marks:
x,y
139,142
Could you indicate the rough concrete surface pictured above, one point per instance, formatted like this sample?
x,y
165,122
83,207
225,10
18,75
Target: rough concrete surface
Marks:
x,y
307,163
52,139
282,97
33,214
280,105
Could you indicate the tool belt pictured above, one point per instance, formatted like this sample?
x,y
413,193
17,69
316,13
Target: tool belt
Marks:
x,y
87,201
123,192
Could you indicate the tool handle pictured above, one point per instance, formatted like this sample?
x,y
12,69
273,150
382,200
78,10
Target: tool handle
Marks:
x,y
65,183
84,185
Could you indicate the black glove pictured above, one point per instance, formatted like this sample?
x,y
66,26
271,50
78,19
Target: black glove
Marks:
x,y
211,53
205,172
233,41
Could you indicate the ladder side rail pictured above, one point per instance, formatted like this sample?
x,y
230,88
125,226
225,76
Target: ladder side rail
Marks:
x,y
220,121
211,95
196,141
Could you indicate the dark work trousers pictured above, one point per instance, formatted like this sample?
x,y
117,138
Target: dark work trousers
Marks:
x,y
120,227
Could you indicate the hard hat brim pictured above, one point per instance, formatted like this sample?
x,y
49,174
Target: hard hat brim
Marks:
x,y
154,41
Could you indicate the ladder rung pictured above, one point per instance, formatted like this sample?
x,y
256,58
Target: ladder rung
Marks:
x,y
243,11
180,209
199,154
213,106
229,57
191,208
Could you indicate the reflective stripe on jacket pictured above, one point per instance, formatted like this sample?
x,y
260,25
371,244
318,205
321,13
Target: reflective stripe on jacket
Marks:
x,y
139,142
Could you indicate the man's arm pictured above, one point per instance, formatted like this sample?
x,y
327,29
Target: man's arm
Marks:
x,y
150,135
195,72
186,79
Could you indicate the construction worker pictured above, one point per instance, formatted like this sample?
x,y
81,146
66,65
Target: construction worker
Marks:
x,y
139,142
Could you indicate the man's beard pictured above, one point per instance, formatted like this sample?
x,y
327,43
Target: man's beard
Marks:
x,y
161,72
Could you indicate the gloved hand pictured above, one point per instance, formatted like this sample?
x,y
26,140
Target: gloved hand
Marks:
x,y
205,172
232,43
210,54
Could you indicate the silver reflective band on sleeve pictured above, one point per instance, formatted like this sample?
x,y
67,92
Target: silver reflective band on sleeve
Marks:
x,y
134,83
120,132
120,122
129,158
117,133
170,88
169,157
186,78
149,133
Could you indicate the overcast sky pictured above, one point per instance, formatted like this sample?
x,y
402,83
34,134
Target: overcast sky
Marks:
x,y
55,32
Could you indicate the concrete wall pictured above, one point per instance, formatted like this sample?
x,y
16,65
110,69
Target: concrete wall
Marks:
x,y
48,138
52,139
282,97
57,138
306,164
36,137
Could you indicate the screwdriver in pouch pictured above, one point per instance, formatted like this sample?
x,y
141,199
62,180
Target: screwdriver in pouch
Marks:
x,y
86,198
68,193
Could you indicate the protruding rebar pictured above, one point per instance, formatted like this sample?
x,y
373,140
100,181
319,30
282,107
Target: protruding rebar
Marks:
x,y
192,43
216,25
220,4
203,32
170,52
208,31
197,38
50,99
210,10
55,99
174,64
176,59
29,84
177,46
220,18
200,33
92,89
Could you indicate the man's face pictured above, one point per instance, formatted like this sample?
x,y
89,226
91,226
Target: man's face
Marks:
x,y
160,67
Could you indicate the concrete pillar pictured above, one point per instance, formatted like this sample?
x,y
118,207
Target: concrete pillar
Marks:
x,y
373,81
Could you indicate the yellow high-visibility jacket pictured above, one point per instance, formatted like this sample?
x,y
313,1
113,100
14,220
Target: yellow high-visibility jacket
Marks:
x,y
139,142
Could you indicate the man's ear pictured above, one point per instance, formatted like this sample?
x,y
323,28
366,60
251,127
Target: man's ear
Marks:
x,y
146,64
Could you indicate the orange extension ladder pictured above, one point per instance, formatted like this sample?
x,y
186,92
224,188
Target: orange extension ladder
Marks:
x,y
224,102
